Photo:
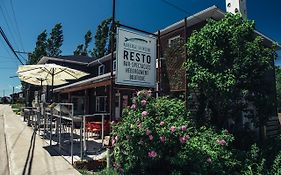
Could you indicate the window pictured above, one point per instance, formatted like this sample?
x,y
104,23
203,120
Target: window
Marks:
x,y
114,65
101,69
172,41
101,104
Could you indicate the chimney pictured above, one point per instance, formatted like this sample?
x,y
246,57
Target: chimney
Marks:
x,y
236,6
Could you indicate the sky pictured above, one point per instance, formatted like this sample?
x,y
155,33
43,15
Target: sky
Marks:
x,y
23,21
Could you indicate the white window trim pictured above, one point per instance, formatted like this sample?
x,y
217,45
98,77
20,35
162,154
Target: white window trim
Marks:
x,y
101,69
172,39
98,103
114,65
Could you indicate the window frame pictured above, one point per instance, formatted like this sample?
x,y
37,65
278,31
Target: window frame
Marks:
x,y
101,69
98,105
170,40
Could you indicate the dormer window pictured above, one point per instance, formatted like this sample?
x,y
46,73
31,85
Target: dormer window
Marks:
x,y
101,69
174,40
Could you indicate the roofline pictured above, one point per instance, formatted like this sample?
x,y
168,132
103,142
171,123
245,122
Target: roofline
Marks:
x,y
194,16
93,79
44,59
197,16
105,57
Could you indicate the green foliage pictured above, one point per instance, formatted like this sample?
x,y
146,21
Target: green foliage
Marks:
x,y
276,167
55,41
101,39
107,172
82,49
227,64
278,87
254,163
157,132
39,50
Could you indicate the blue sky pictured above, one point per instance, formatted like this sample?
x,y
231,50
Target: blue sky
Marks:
x,y
22,21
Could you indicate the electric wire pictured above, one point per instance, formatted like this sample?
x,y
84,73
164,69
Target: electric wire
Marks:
x,y
16,24
182,10
9,44
3,9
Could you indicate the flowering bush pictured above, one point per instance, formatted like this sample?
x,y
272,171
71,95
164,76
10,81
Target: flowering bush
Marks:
x,y
157,137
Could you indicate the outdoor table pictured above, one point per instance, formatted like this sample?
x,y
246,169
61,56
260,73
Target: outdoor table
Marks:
x,y
102,115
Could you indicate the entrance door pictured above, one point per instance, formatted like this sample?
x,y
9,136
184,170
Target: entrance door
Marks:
x,y
78,104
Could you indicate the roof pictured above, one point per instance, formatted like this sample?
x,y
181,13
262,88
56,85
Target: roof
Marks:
x,y
92,80
77,59
102,59
212,12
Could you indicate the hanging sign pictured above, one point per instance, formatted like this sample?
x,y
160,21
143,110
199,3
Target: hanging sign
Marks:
x,y
136,59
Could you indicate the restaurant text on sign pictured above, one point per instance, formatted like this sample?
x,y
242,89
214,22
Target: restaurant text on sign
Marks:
x,y
136,59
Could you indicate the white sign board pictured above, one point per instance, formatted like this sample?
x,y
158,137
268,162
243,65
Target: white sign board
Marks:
x,y
136,59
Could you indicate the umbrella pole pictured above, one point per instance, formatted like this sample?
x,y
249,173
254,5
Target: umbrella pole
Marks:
x,y
52,90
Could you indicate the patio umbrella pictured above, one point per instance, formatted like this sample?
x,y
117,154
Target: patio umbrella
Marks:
x,y
50,74
41,81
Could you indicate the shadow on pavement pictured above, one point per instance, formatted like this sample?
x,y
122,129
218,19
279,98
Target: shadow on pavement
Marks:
x,y
29,158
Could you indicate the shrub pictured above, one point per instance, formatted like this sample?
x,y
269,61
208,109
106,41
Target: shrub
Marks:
x,y
156,136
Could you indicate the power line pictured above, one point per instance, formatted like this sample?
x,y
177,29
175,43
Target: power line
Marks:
x,y
9,44
16,24
2,8
181,9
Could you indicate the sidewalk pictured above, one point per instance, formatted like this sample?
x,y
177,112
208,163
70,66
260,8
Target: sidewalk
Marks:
x,y
25,150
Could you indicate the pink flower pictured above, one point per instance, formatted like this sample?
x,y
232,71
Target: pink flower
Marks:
x,y
186,137
182,140
133,106
183,128
162,123
148,132
152,154
150,137
221,142
173,129
144,113
143,102
113,141
209,160
116,138
163,139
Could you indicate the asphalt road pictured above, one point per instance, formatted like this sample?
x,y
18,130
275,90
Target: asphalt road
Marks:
x,y
4,163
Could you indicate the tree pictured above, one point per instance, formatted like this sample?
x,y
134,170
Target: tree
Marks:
x,y
82,49
40,49
101,39
278,87
227,64
55,41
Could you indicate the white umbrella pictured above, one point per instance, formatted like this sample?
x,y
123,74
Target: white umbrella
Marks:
x,y
41,81
53,74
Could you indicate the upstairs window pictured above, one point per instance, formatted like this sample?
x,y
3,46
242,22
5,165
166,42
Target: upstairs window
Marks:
x,y
101,69
174,40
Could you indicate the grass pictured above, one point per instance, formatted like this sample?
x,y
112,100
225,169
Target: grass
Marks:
x,y
17,107
103,172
